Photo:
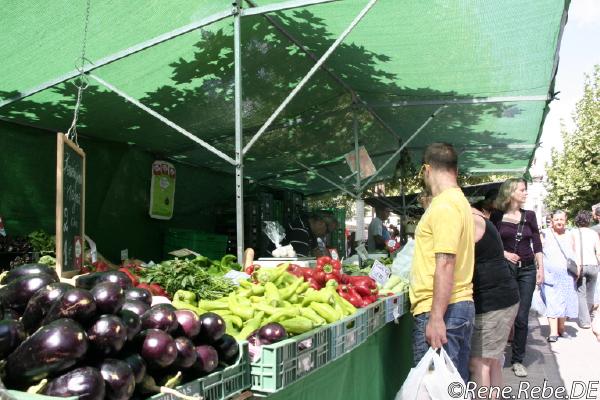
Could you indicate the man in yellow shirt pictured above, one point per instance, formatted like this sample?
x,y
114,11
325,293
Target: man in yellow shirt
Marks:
x,y
441,291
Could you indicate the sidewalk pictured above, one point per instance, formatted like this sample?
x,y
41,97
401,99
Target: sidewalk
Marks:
x,y
561,363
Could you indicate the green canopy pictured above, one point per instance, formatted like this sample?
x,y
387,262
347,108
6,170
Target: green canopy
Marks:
x,y
490,64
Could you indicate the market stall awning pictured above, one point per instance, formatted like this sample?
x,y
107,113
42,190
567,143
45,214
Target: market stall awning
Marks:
x,y
490,65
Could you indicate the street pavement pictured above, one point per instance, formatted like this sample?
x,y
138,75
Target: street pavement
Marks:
x,y
572,363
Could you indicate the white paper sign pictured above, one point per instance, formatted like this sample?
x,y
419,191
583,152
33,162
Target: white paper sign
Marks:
x,y
124,254
380,273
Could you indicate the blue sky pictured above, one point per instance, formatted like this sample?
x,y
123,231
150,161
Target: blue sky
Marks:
x,y
580,50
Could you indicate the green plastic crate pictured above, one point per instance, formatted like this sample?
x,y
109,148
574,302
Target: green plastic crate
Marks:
x,y
283,363
219,385
209,245
348,333
396,306
375,316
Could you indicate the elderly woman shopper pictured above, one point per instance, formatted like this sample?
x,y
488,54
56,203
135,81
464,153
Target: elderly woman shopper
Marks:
x,y
496,296
523,250
559,284
587,256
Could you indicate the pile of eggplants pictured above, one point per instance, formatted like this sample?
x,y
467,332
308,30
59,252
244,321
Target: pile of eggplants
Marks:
x,y
101,338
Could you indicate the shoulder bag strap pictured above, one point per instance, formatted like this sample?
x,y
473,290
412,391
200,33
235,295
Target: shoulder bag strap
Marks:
x,y
519,234
558,243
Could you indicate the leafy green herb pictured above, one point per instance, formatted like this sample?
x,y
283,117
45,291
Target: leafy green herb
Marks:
x,y
191,275
42,242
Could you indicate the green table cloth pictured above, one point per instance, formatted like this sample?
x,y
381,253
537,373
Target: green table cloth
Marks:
x,y
374,370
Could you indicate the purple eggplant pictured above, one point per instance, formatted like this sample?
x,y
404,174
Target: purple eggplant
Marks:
x,y
207,359
161,316
189,323
186,353
53,348
107,335
18,292
136,306
156,347
137,365
228,349
88,281
139,294
77,304
271,333
29,269
87,383
40,303
119,379
212,327
132,322
109,297
12,333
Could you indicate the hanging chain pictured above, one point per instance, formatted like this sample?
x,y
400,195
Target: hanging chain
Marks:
x,y
81,82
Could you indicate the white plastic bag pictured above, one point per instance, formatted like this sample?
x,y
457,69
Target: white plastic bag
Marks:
x,y
276,233
403,261
431,379
538,303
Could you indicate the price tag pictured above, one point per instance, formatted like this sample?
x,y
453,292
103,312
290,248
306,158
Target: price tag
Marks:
x,y
305,364
93,248
380,273
362,252
124,254
236,276
351,339
2,230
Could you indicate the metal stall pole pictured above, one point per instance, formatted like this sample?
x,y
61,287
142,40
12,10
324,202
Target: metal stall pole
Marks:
x,y
360,203
239,156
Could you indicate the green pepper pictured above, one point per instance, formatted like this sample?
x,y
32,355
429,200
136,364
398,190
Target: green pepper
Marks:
x,y
250,326
303,287
235,320
272,293
244,293
210,305
265,308
181,305
321,296
283,313
290,290
325,311
294,298
257,289
245,284
185,296
297,325
236,308
313,316
265,275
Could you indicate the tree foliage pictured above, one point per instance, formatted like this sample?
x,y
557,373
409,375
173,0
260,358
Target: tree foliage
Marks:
x,y
574,175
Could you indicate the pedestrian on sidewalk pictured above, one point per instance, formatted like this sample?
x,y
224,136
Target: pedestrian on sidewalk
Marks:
x,y
587,253
523,249
441,290
559,285
496,296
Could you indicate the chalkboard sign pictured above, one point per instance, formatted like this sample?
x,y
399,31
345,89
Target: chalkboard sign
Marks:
x,y
70,206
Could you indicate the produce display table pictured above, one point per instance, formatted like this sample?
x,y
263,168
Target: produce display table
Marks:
x,y
374,370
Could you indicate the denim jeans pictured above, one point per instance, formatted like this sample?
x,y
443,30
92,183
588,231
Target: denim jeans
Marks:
x,y
459,319
526,279
586,287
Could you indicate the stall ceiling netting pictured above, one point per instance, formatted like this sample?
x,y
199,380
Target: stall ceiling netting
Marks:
x,y
402,52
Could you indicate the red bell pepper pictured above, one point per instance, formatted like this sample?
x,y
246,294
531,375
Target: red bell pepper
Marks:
x,y
314,284
351,295
331,268
368,300
320,277
361,280
100,266
251,268
130,275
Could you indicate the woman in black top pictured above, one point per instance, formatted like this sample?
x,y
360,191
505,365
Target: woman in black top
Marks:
x,y
496,296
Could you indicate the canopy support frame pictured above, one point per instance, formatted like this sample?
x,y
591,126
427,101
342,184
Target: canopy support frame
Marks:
x,y
331,182
165,120
239,154
473,100
419,130
288,5
309,75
